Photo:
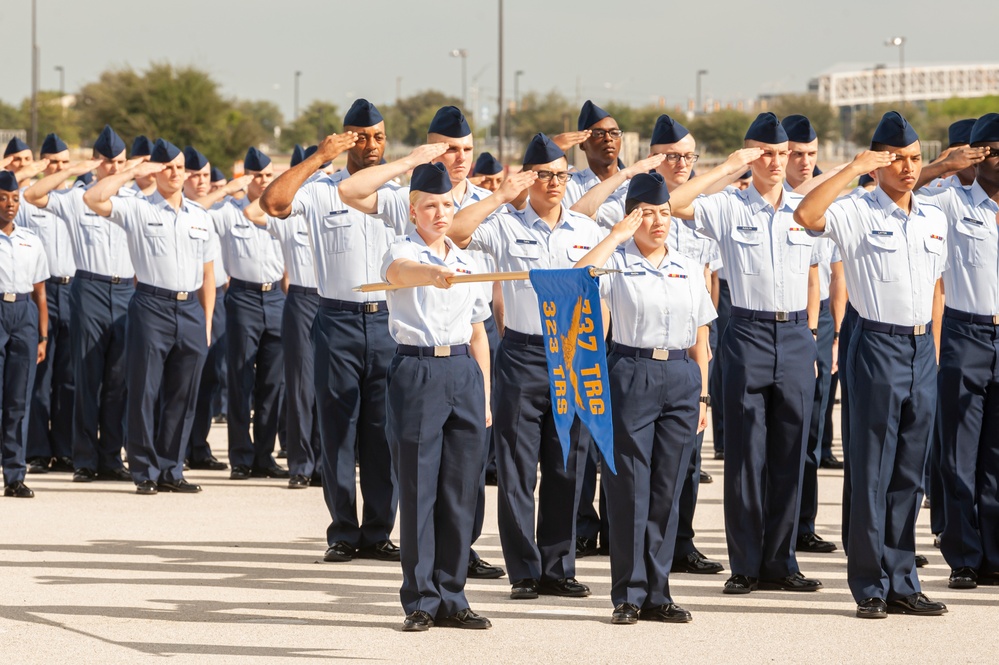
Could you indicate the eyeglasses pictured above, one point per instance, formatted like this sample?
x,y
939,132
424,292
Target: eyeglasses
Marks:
x,y
545,176
674,157
600,133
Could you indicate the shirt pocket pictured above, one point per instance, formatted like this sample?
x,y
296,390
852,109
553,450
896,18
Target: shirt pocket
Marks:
x,y
749,249
799,251
302,248
971,238
154,235
934,257
576,253
337,233
93,228
525,254
242,239
882,252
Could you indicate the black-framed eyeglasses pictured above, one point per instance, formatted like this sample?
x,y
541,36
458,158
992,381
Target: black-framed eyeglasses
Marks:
x,y
562,176
600,133
674,157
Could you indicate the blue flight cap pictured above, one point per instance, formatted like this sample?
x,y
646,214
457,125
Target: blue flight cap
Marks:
x,y
864,180
310,151
648,188
142,146
430,178
164,152
363,113
298,155
255,160
590,115
667,130
960,132
798,129
766,129
541,150
194,160
108,143
986,129
86,178
816,171
894,131
8,181
486,164
15,145
747,174
449,121
52,144
217,174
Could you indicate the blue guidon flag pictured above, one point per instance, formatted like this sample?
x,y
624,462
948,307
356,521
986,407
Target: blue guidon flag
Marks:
x,y
569,301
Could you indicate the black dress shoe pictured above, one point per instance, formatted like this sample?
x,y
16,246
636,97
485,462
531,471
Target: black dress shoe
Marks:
x,y
706,478
316,480
273,471
585,547
417,621
831,463
146,487
84,476
567,587
988,579
282,454
936,541
719,454
18,490
121,475
209,464
464,619
491,478
181,486
483,570
220,419
740,584
872,608
795,582
963,578
666,614
917,604
340,551
38,465
298,482
921,561
386,550
625,614
239,472
696,563
526,589
810,542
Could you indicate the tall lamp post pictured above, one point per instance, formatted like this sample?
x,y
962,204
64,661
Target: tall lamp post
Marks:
x,y
516,89
900,43
34,74
297,76
463,54
62,79
700,105
501,119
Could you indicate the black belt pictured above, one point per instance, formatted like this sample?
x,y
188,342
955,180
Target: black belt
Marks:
x,y
14,297
59,280
307,290
652,354
350,306
777,317
255,286
522,338
432,351
968,317
97,277
163,293
891,329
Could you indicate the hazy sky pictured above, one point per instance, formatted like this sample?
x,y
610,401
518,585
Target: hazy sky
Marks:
x,y
633,51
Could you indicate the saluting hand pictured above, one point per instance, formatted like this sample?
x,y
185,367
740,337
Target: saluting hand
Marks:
x,y
79,168
427,153
146,168
741,158
872,160
626,228
510,188
135,161
237,184
570,139
438,276
334,144
962,157
31,170
645,165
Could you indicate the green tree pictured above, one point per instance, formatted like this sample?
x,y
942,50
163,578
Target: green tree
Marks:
x,y
720,132
824,119
52,117
411,115
551,114
11,117
316,122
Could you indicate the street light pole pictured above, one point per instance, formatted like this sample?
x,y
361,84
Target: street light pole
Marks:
x,y
900,43
502,116
516,89
700,104
297,75
34,73
463,54
62,79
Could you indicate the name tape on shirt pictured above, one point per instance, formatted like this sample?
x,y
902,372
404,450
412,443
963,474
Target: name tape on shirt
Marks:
x,y
971,220
878,232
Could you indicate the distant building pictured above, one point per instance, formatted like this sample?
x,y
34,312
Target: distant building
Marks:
x,y
853,85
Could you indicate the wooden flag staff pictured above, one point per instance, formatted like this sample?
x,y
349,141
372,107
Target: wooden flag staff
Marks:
x,y
468,279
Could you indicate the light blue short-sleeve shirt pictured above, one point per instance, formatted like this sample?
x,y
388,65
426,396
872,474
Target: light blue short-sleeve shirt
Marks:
x,y
22,261
249,252
98,247
293,234
611,211
55,235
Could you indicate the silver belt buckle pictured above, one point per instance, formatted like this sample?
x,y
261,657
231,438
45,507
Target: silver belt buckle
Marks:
x,y
266,287
115,279
660,354
919,330
995,319
182,295
64,280
442,351
10,297
781,317
372,307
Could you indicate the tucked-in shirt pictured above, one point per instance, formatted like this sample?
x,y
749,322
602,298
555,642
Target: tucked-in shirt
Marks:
x,y
54,232
891,259
656,306
169,247
250,253
766,254
293,234
611,211
348,245
523,241
98,247
22,261
218,266
971,277
427,315
684,240
824,254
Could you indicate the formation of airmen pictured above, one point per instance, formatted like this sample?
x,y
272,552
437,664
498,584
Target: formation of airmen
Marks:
x,y
143,294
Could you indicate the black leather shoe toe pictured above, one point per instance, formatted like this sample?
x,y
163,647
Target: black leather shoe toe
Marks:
x,y
625,614
526,589
921,561
464,619
339,551
298,482
118,475
146,487
62,465
810,542
795,582
916,604
273,471
705,478
18,490
963,578
385,550
740,584
483,570
567,587
38,465
872,608
417,622
210,464
831,463
666,614
696,563
585,547
180,486
239,472
84,476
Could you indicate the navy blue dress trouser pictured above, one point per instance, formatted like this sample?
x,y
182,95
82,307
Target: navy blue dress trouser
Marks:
x,y
715,383
50,427
299,381
353,351
769,386
492,334
209,385
98,312
846,331
655,411
892,394
166,348
18,353
255,360
816,429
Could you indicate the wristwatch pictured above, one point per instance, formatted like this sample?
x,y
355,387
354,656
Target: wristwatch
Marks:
x,y
42,339
705,399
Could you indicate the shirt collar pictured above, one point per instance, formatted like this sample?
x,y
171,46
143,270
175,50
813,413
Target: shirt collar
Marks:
x,y
157,200
453,256
978,197
757,203
883,201
532,218
633,258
